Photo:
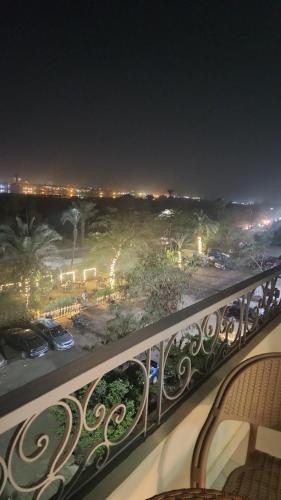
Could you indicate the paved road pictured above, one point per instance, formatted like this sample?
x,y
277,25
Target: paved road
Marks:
x,y
19,372
209,280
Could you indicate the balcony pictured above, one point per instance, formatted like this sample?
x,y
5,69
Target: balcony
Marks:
x,y
123,423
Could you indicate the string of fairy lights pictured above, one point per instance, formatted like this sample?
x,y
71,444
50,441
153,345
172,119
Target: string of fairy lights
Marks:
x,y
24,285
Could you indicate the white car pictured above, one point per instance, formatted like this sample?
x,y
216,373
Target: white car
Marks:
x,y
56,335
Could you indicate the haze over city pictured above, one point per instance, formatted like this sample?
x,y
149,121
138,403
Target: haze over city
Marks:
x,y
143,95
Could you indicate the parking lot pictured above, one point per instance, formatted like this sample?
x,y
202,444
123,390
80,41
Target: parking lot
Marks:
x,y
19,372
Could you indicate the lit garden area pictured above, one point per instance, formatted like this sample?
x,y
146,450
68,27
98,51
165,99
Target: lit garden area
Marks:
x,y
114,269
105,274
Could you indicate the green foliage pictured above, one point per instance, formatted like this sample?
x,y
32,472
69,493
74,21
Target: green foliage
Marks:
x,y
121,326
27,245
60,302
12,310
254,253
87,210
73,216
102,292
160,281
227,238
109,392
122,235
201,363
204,226
172,256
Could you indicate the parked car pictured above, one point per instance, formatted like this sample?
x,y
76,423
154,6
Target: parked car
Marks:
x,y
55,334
233,311
270,262
218,259
26,341
213,254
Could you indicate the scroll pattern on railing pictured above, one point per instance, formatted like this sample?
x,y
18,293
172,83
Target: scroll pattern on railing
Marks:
x,y
90,427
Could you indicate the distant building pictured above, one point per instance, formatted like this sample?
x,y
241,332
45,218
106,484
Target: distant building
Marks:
x,y
5,187
51,190
19,186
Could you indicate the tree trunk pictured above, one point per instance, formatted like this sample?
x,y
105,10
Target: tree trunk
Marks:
x,y
74,244
179,259
27,293
83,230
112,269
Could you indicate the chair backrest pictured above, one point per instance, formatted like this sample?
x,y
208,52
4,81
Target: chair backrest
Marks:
x,y
252,392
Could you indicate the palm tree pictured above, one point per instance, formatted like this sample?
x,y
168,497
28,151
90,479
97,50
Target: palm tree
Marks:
x,y
179,242
170,192
72,215
204,226
27,246
87,210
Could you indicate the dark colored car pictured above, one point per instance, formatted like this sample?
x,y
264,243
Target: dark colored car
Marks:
x,y
213,254
218,259
26,341
270,262
55,334
233,311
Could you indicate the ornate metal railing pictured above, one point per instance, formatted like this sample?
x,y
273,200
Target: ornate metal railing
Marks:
x,y
65,428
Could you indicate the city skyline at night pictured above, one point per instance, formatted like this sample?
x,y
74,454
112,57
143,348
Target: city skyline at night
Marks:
x,y
21,185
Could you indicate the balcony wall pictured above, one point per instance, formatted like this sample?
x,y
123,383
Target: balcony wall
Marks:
x,y
163,462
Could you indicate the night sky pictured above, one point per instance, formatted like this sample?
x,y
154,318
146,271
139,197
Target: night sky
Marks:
x,y
147,94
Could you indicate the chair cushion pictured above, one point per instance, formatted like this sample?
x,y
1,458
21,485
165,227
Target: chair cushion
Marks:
x,y
258,479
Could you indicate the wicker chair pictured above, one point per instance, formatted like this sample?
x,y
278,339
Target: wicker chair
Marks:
x,y
250,393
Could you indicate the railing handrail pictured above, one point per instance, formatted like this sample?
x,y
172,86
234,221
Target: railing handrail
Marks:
x,y
41,393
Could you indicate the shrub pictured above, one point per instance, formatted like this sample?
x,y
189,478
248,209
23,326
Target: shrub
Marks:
x,y
109,392
103,292
61,302
13,310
